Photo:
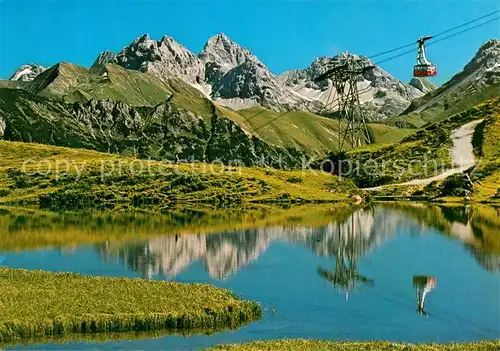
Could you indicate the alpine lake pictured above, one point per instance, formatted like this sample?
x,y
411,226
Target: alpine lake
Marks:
x,y
405,272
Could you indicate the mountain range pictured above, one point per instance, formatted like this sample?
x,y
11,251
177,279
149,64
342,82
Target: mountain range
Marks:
x,y
231,76
158,99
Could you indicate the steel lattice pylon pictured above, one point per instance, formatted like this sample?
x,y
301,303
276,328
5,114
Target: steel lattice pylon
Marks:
x,y
344,71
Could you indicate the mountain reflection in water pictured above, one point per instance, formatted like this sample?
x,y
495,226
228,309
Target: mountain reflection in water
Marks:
x,y
344,240
411,272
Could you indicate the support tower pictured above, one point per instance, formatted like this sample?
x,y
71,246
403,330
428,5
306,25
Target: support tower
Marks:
x,y
344,72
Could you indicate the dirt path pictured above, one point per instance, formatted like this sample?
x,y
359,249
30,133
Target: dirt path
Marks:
x,y
462,155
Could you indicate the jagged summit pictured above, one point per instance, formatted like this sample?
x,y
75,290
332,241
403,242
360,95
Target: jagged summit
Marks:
x,y
165,58
485,63
224,71
226,53
252,84
27,72
104,58
232,76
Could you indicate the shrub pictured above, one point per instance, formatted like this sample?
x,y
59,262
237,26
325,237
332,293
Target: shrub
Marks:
x,y
497,195
294,179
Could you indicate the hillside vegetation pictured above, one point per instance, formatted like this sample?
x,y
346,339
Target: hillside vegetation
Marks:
x,y
88,179
477,82
487,148
423,154
304,130
443,107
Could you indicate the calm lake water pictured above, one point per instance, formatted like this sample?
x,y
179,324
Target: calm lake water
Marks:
x,y
319,272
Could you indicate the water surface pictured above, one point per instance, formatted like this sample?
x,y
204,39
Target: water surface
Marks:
x,y
319,272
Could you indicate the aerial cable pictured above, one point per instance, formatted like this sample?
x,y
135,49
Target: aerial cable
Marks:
x,y
392,50
443,32
248,119
464,30
412,50
441,39
466,24
270,121
395,57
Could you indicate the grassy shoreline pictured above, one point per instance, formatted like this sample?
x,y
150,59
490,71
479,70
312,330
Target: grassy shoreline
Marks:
x,y
316,345
43,304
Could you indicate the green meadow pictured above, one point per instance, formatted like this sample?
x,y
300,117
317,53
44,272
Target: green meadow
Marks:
x,y
319,345
41,304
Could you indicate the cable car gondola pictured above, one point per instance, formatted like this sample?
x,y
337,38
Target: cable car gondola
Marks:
x,y
423,68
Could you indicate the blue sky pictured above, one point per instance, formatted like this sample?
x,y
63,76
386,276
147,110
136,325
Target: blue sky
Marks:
x,y
283,34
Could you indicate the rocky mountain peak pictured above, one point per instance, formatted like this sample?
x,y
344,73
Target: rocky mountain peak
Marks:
x,y
143,38
487,58
483,70
231,75
165,58
27,72
104,58
225,53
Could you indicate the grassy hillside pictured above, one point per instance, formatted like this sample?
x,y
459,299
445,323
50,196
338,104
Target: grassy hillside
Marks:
x,y
487,149
69,83
88,179
444,106
14,84
75,83
293,129
305,130
384,134
430,145
165,131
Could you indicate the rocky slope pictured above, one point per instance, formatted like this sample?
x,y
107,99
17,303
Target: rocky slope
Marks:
x,y
165,131
238,79
224,71
27,73
422,84
224,54
382,95
65,82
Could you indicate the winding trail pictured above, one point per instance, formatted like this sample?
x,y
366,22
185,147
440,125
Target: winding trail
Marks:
x,y
462,155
